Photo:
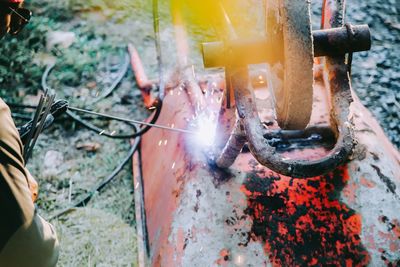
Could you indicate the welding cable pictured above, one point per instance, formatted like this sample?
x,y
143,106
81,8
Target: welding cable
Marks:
x,y
131,121
86,198
98,130
22,117
120,75
88,125
102,116
117,81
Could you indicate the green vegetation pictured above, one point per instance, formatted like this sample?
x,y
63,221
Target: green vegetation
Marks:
x,y
21,57
102,233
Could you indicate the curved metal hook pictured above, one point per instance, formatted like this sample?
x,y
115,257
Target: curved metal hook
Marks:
x,y
267,155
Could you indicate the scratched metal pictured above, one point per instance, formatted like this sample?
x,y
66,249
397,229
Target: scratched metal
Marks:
x,y
198,215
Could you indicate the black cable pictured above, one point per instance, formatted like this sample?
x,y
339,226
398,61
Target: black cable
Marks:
x,y
21,106
117,81
94,128
98,130
86,198
107,91
46,72
19,116
138,133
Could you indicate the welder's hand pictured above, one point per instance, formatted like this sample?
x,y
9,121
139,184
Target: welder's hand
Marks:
x,y
33,187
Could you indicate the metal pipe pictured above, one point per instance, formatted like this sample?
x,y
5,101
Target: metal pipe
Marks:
x,y
233,147
327,42
339,41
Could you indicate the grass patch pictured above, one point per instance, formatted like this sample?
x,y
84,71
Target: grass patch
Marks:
x,y
101,234
20,66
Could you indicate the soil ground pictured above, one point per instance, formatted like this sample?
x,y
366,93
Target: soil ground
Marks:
x,y
103,234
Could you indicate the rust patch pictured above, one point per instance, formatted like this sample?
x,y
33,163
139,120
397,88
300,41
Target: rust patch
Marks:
x,y
367,183
303,223
225,257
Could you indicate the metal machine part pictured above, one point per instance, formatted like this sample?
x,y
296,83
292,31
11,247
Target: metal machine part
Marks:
x,y
293,99
58,108
42,118
327,42
341,40
189,212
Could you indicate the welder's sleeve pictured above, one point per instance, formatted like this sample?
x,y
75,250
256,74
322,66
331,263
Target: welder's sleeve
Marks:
x,y
25,238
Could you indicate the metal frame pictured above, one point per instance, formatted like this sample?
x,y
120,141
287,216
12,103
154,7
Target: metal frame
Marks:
x,y
337,80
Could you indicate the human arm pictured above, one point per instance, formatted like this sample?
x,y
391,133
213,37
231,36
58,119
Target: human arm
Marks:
x,y
22,232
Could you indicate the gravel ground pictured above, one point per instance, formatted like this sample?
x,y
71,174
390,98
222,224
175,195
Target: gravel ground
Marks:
x,y
376,73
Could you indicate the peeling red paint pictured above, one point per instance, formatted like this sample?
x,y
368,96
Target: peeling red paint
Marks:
x,y
224,257
302,222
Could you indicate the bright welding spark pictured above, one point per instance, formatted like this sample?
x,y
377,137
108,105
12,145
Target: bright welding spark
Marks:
x,y
205,127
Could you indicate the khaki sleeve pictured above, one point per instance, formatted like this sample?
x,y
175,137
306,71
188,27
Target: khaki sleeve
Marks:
x,y
16,206
34,244
23,235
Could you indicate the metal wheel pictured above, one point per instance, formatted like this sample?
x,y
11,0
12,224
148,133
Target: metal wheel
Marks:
x,y
289,22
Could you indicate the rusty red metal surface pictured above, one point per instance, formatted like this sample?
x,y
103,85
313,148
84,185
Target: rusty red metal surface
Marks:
x,y
143,83
196,212
191,213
